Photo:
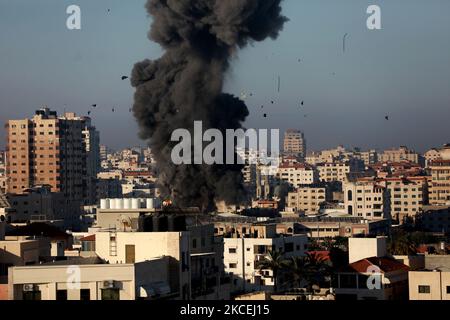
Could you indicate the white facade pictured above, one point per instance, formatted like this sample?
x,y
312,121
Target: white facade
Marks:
x,y
366,200
241,257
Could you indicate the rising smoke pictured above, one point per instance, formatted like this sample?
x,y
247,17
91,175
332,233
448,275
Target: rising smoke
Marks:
x,y
199,37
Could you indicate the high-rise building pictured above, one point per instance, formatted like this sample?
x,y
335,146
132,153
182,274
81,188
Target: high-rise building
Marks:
x,y
50,150
295,143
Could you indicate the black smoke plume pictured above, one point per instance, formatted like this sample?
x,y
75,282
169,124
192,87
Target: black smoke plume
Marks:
x,y
199,37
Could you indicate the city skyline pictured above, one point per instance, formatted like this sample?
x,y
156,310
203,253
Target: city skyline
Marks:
x,y
343,93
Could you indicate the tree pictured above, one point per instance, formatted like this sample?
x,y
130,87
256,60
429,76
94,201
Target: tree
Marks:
x,y
274,261
401,244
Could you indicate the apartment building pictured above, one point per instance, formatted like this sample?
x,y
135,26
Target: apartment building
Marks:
x,y
368,200
371,274
338,170
400,154
440,182
294,143
243,253
48,150
308,199
297,174
92,279
91,142
407,196
40,204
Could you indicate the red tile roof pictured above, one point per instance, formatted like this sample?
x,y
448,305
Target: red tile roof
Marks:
x,y
88,238
384,263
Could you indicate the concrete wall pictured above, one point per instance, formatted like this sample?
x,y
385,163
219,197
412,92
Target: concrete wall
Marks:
x,y
437,281
361,248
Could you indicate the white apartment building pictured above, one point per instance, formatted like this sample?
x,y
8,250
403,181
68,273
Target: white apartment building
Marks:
x,y
242,255
297,174
367,200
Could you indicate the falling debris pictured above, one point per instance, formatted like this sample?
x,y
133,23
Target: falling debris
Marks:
x,y
89,113
113,110
279,83
262,107
124,77
265,115
344,42
387,118
94,106
271,102
302,103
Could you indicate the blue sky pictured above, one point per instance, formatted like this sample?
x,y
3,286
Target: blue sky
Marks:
x,y
402,70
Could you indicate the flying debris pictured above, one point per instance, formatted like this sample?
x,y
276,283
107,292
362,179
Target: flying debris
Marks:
x,y
265,115
113,110
302,103
124,77
387,118
271,102
279,83
262,107
344,42
89,113
94,106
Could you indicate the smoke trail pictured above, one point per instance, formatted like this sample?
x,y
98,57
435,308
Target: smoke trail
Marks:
x,y
185,85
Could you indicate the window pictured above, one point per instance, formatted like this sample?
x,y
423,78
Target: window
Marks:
x,y
233,265
85,294
110,294
61,295
31,295
232,250
194,243
424,289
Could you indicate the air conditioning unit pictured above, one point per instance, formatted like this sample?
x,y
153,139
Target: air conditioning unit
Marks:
x,y
109,284
29,287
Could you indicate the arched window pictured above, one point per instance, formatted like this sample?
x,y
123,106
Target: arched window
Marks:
x,y
350,195
350,210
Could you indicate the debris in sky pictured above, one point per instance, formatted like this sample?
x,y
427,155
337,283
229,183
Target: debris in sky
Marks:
x,y
271,102
344,44
302,103
94,105
89,113
387,118
279,83
262,107
113,110
124,77
265,115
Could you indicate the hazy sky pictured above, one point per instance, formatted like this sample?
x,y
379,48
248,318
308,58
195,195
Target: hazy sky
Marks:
x,y
402,70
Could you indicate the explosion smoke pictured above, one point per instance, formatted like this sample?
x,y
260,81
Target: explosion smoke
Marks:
x,y
185,85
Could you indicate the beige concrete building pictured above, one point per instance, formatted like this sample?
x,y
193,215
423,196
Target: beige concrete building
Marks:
x,y
242,255
408,196
429,285
89,279
400,154
440,182
47,150
367,200
297,174
307,199
338,170
295,143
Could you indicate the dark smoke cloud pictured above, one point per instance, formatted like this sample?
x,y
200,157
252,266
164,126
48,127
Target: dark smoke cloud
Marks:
x,y
185,85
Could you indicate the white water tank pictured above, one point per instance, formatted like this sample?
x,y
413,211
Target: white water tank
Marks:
x,y
119,204
135,203
112,204
127,204
150,203
104,204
